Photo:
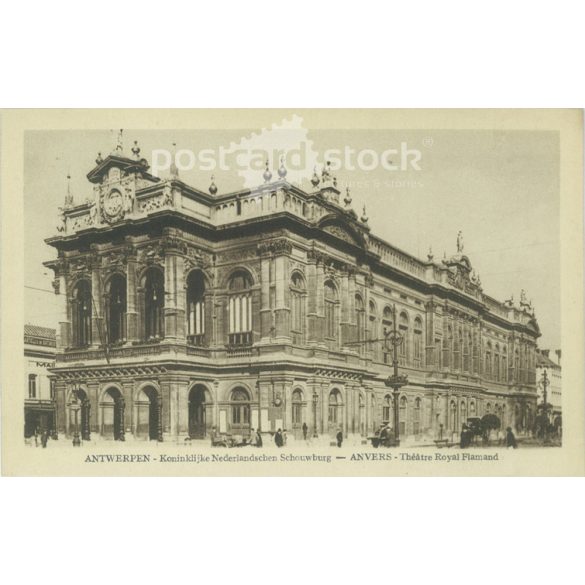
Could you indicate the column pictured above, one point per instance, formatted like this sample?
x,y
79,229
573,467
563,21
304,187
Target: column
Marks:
x,y
312,302
281,312
98,333
174,310
265,310
132,333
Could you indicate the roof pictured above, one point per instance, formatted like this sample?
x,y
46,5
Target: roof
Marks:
x,y
543,361
38,331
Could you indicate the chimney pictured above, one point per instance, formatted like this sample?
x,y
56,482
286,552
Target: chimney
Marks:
x,y
558,354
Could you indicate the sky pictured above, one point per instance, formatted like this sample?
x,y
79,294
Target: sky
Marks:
x,y
500,188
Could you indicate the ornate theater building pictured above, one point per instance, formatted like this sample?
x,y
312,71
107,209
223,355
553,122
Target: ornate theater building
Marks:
x,y
185,310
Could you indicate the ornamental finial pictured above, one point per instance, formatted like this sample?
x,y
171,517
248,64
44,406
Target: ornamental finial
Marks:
x,y
213,186
460,242
282,169
267,174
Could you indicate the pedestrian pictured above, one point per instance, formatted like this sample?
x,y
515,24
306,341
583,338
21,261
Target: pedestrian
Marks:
x,y
339,437
510,439
44,438
252,440
278,440
36,436
284,437
305,430
258,438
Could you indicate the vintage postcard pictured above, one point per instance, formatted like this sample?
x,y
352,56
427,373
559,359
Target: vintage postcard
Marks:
x,y
292,292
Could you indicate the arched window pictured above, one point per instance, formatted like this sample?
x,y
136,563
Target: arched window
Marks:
x,y
387,324
475,354
488,408
334,416
360,321
116,309
488,360
466,352
447,341
463,409
472,408
418,342
453,415
82,305
504,364
403,413
240,407
417,415
154,303
297,408
240,309
298,295
403,348
196,308
457,350
373,327
517,365
331,313
497,363
387,409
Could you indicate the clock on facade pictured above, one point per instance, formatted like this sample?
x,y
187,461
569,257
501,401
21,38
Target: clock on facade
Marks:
x,y
113,205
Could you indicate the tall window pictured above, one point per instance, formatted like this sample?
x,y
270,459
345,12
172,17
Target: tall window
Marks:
x,y
240,407
403,414
387,409
466,354
403,349
331,311
334,407
488,360
297,408
497,363
298,294
240,309
154,303
387,325
116,308
32,385
360,322
457,351
416,418
373,319
418,342
447,341
195,307
82,314
504,364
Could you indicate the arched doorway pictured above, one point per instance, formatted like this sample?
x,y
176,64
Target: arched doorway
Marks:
x,y
199,412
361,415
79,419
335,414
240,412
148,410
113,414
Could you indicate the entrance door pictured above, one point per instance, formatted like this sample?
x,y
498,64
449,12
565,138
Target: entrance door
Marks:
x,y
113,415
198,405
147,414
240,412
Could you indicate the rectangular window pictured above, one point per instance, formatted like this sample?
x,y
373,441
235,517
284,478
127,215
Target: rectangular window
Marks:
x,y
32,385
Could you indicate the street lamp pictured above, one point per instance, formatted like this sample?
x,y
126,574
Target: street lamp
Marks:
x,y
395,381
75,407
315,400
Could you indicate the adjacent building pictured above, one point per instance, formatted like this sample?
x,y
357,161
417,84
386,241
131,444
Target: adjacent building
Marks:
x,y
554,395
186,310
39,397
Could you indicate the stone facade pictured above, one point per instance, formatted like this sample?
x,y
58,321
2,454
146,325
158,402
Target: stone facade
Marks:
x,y
184,310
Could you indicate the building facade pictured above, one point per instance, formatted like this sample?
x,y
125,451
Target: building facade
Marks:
x,y
554,393
39,390
185,310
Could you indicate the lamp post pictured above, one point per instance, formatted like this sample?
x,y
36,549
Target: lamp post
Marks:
x,y
75,407
544,383
395,381
315,400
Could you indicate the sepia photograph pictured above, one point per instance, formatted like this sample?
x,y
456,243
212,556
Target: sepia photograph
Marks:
x,y
292,293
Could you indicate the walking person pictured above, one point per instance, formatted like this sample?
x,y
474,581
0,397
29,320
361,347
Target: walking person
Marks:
x,y
258,438
511,439
278,440
305,431
339,438
44,438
